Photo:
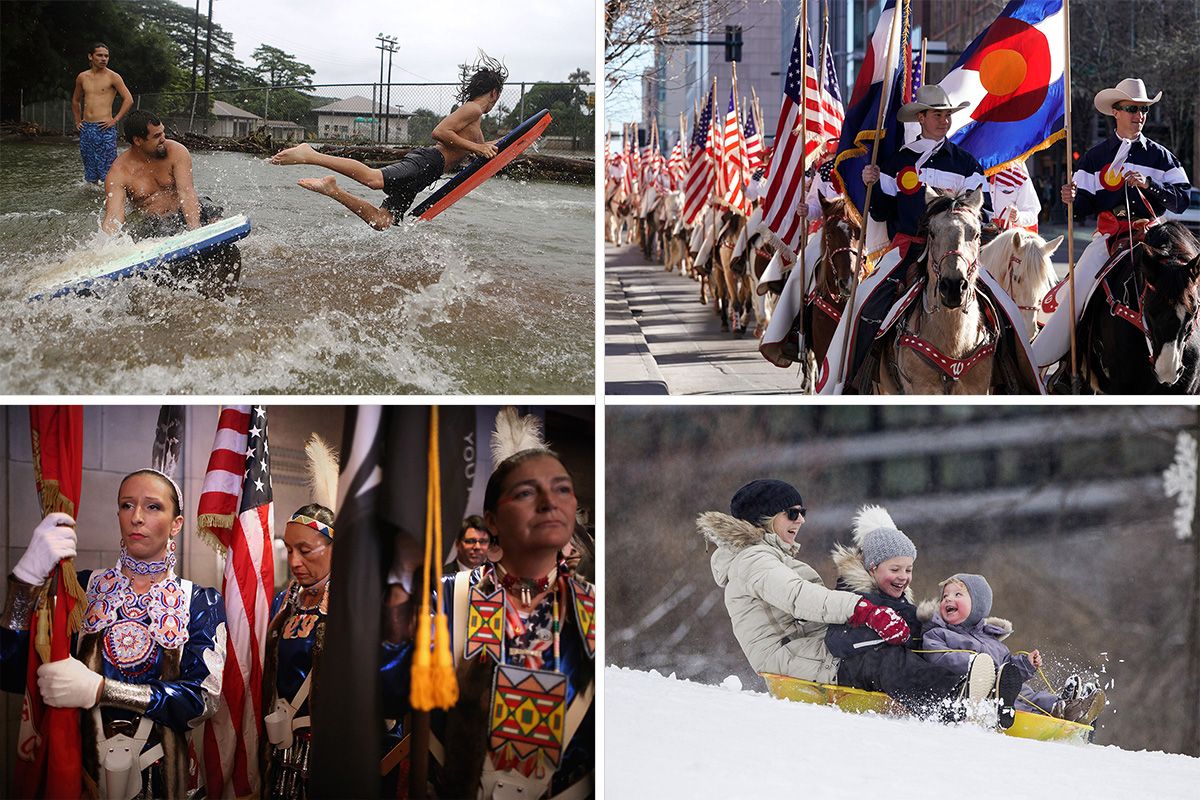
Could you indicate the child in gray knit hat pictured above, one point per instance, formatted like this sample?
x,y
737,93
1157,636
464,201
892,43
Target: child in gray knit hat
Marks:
x,y
960,626
879,567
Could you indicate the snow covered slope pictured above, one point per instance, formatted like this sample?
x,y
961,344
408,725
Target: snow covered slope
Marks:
x,y
667,738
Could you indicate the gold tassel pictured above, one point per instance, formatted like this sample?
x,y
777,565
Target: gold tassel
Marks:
x,y
444,679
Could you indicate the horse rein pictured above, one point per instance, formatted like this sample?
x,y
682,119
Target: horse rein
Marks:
x,y
1137,316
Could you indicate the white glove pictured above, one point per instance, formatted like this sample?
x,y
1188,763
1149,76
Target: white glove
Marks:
x,y
53,540
68,684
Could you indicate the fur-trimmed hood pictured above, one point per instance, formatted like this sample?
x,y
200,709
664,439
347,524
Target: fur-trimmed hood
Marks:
x,y
999,627
729,532
851,567
731,536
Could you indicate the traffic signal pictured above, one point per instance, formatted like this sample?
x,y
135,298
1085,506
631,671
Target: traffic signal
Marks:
x,y
733,42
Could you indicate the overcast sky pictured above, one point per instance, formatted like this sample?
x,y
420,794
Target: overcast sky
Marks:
x,y
546,40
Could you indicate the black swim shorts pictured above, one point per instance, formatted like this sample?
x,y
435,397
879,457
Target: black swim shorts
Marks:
x,y
409,175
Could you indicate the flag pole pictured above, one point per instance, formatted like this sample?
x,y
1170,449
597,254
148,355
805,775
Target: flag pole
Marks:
x,y
884,99
716,184
803,267
1070,178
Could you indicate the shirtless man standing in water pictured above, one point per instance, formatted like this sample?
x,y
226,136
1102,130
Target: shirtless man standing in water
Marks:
x,y
95,90
155,174
454,137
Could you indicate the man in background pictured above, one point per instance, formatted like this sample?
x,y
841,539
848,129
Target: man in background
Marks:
x,y
95,90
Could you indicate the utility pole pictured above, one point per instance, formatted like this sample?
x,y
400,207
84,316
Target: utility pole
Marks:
x,y
208,60
387,116
385,44
195,63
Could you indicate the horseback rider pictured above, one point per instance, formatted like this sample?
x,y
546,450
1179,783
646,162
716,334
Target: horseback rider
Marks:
x,y
1127,180
928,161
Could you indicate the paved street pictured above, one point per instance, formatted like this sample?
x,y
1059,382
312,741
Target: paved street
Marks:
x,y
658,339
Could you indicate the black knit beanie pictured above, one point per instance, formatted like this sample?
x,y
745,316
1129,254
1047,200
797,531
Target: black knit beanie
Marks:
x,y
763,498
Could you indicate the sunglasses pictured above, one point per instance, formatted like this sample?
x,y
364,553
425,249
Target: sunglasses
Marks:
x,y
1133,109
796,512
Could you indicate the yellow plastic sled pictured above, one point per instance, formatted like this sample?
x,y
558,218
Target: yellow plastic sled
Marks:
x,y
856,701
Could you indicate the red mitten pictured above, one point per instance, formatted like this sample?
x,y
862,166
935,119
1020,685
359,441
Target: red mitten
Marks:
x,y
890,626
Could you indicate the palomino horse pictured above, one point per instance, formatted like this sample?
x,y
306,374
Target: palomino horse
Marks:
x,y
942,344
1019,260
834,275
1143,339
732,274
675,233
617,209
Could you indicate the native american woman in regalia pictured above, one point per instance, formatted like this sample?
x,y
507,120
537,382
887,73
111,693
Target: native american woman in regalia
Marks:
x,y
148,660
296,635
523,639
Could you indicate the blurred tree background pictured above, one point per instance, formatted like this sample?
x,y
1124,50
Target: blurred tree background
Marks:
x,y
1062,509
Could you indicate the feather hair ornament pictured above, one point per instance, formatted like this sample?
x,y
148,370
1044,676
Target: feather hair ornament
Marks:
x,y
515,434
322,472
870,518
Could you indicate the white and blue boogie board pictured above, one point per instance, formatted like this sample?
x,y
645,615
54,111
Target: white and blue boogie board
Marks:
x,y
152,254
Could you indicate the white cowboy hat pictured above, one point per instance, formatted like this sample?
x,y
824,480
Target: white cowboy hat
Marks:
x,y
929,98
1131,90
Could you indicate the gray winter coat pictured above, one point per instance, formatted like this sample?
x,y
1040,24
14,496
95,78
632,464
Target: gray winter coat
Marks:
x,y
778,605
985,636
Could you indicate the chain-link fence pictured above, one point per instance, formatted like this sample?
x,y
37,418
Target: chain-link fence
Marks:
x,y
355,113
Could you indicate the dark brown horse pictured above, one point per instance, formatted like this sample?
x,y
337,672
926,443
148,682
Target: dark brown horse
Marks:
x,y
1140,329
835,273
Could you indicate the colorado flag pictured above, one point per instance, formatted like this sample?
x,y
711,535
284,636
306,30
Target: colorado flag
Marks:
x,y
1012,75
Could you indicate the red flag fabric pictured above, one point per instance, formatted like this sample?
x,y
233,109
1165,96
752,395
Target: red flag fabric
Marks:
x,y
236,516
698,185
51,735
734,167
822,125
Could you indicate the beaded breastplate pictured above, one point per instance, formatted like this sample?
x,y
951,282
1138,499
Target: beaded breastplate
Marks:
x,y
133,624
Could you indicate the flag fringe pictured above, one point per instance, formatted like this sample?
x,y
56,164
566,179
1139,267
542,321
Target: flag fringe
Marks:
x,y
206,527
1054,138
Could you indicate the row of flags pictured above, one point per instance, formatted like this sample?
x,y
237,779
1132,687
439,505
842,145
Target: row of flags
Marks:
x,y
1012,75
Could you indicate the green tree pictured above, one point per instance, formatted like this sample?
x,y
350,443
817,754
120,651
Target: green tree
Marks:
x,y
46,46
280,68
421,125
181,24
570,106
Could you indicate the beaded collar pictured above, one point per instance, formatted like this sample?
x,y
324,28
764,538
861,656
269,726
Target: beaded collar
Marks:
x,y
528,587
163,610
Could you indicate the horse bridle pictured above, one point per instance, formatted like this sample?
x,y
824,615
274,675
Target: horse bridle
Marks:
x,y
1137,316
1013,260
827,258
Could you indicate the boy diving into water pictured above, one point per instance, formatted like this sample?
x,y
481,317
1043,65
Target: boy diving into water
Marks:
x,y
454,137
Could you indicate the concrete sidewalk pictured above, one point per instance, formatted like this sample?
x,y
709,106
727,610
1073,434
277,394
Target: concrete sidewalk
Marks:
x,y
658,339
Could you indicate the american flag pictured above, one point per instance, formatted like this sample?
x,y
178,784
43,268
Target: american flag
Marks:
x,y
734,168
918,72
675,165
823,125
235,515
1011,176
700,171
754,143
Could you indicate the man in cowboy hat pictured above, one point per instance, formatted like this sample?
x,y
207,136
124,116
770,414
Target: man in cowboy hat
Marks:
x,y
1127,181
928,161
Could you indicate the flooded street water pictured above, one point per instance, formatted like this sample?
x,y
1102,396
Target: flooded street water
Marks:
x,y
495,296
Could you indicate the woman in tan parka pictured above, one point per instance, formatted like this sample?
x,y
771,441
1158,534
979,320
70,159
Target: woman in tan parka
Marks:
x,y
778,605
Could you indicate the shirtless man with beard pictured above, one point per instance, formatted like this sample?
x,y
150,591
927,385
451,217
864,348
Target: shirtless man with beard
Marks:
x,y
155,175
